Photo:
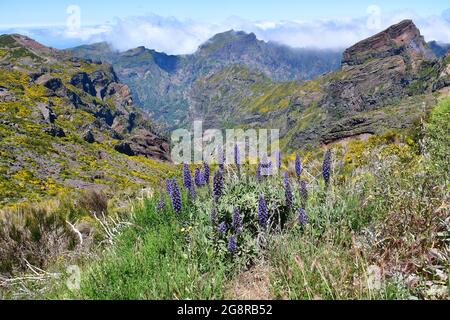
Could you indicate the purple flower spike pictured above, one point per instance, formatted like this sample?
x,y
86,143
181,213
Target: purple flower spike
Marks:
x,y
218,184
278,159
326,167
193,192
236,220
288,195
258,172
161,206
206,173
303,192
298,166
187,179
169,183
263,214
213,216
198,177
302,217
232,244
222,227
221,158
237,158
175,198
286,179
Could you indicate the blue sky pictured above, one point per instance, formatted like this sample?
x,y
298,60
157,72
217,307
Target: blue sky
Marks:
x,y
53,12
179,26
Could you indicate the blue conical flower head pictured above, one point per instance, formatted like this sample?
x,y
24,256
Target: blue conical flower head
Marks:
x,y
326,167
302,217
161,205
303,191
169,183
218,184
236,220
175,198
263,214
206,173
258,172
232,246
288,195
286,179
222,227
298,166
187,179
220,158
237,158
198,177
278,159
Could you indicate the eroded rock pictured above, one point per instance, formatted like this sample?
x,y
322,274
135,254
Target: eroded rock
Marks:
x,y
147,144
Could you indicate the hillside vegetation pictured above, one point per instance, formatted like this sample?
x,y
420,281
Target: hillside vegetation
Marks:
x,y
369,222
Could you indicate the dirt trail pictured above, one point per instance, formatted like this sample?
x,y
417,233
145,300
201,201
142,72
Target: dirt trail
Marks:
x,y
253,284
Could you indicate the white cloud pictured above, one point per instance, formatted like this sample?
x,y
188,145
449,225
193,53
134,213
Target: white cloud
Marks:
x,y
175,36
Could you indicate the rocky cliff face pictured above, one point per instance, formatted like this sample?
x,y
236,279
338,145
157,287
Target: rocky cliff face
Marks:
x,y
383,84
379,70
402,38
62,120
165,85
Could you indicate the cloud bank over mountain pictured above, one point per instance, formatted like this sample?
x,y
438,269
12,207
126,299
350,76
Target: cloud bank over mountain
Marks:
x,y
175,36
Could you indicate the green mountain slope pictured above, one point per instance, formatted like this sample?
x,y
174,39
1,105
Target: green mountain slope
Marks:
x,y
162,83
386,82
67,124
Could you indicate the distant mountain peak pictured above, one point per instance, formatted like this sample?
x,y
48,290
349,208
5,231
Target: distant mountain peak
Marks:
x,y
229,38
401,37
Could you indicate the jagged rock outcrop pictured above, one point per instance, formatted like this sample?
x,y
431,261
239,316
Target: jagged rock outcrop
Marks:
x,y
55,131
82,81
379,71
147,144
60,118
165,85
6,95
402,38
47,113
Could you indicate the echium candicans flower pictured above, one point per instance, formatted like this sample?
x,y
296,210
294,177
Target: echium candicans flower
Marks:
x,y
303,192
302,217
266,168
286,178
206,173
298,166
232,246
288,195
237,159
213,215
220,158
192,191
217,184
263,214
258,172
175,197
198,178
278,159
326,167
222,227
187,179
161,205
236,220
169,183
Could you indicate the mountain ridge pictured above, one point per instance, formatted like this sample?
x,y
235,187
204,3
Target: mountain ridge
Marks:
x,y
162,82
67,124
